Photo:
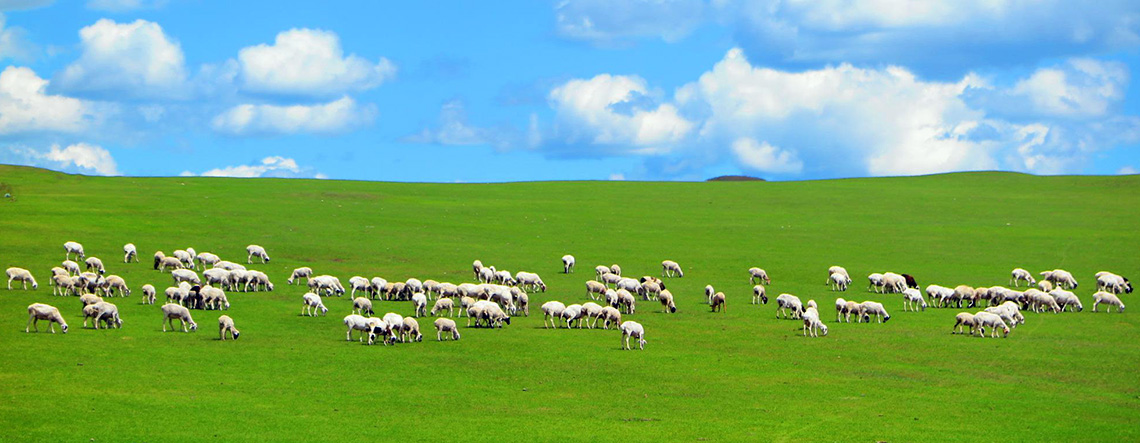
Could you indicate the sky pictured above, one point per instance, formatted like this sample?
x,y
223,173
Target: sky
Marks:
x,y
569,89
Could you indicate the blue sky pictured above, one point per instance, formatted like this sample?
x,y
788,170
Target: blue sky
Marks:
x,y
572,89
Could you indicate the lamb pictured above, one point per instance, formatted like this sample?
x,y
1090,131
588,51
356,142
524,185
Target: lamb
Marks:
x,y
169,263
362,306
912,300
1066,299
757,275
148,294
552,310
411,330
1020,275
839,282
567,264
443,304
106,312
313,303
419,301
443,325
595,288
626,299
226,324
21,275
359,283
40,311
185,275
1107,298
116,283
207,258
635,330
185,258
718,302
963,320
812,323
666,299
836,270
759,293
790,303
130,252
358,323
573,313
171,312
256,251
870,309
984,319
670,267
600,270
304,272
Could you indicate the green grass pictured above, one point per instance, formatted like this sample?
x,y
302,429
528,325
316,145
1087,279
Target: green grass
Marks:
x,y
741,375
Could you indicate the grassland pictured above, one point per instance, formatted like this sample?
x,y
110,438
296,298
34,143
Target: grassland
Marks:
x,y
741,375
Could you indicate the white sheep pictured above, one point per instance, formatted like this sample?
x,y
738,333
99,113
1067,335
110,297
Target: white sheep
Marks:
x,y
629,284
757,275
650,289
1107,298
600,270
226,324
169,263
529,281
116,283
130,252
1039,301
185,275
21,275
177,294
443,304
443,325
551,311
718,302
419,301
1061,278
379,286
1009,311
218,277
912,300
611,298
567,264
256,251
89,299
611,279
71,267
1020,275
626,300
1045,285
148,293
359,283
608,315
362,306
73,248
523,302
635,330
1066,299
573,313
379,328
812,323
185,258
839,282
670,267
615,269
874,281
892,283
40,311
790,303
759,295
356,322
64,285
1109,282
171,312
304,272
870,309
709,291
595,289
983,320
207,259
836,270
964,320
411,330
312,304
666,299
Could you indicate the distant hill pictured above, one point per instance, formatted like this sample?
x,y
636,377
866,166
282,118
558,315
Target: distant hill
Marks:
x,y
735,178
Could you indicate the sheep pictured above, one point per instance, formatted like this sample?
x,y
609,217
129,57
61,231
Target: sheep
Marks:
x,y
64,285
226,324
839,282
185,275
379,286
963,320
759,293
718,302
443,304
326,284
892,283
177,294
874,281
207,258
304,272
229,266
595,289
590,311
1008,311
651,289
961,292
358,323
21,275
611,279
494,315
552,310
629,284
359,283
56,270
169,263
260,281
158,258
218,277
395,323
635,330
312,303
567,264
1045,285
116,283
443,325
529,281
1107,298
600,270
485,275
419,301
790,303
377,327
912,300
431,287
851,308
608,315
256,251
615,270
984,319
573,313
362,306
670,267
870,309
812,323
171,312
1113,283
523,302
910,281
130,252
757,275
626,299
1061,278
666,299
148,294
836,270
72,268
1066,299
1020,275
89,299
709,291
1039,301
611,298
185,258
411,330
89,281
476,268
40,311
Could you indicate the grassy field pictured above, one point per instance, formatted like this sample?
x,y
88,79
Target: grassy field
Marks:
x,y
740,375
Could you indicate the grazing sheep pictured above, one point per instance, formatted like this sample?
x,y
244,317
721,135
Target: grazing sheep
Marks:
x,y
326,284
256,251
635,330
670,267
626,299
229,266
158,258
177,294
612,279
836,270
359,283
419,301
362,306
615,269
148,294
963,320
358,323
185,258
759,293
379,328
812,323
64,285
56,270
40,311
169,263
870,309
874,281
567,264
431,287
1008,311
1066,299
1061,278
116,283
595,288
962,292
851,308
523,302
709,291
611,298
312,304
207,259
413,286
608,315
443,325
790,303
130,252
629,284
21,275
1107,298
73,248
839,282
590,311
395,323
185,275
912,300
218,277
529,281
573,313
71,267
304,272
1109,282
443,304
892,283
226,324
89,299
651,289
983,320
718,302
1045,285
600,270
666,299
1039,301
757,275
552,310
485,275
171,312
1020,275
379,286
411,330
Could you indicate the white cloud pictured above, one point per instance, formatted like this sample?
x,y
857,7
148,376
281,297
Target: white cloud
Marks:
x,y
1127,170
80,157
124,5
273,166
1081,88
25,107
334,117
309,62
765,157
14,43
617,177
607,110
606,21
455,130
133,59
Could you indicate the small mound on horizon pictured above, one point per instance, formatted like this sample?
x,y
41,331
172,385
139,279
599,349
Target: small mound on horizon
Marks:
x,y
735,178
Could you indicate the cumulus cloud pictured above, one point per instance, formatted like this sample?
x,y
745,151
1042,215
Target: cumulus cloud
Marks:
x,y
135,59
609,22
309,62
124,5
80,157
25,107
1080,88
612,110
765,157
454,129
273,166
263,119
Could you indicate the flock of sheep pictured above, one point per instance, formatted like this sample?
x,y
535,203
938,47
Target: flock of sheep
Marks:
x,y
496,295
